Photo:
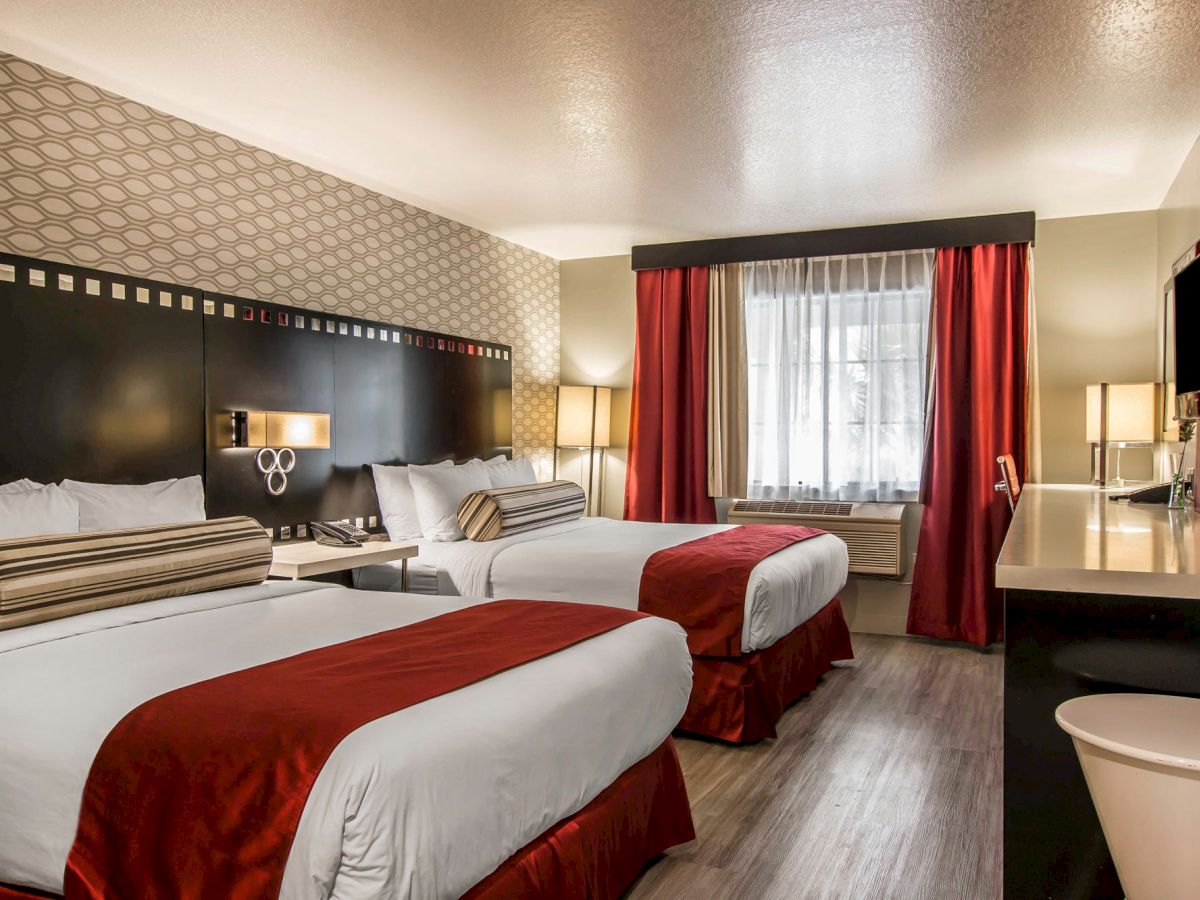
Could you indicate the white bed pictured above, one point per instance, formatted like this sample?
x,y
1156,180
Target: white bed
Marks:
x,y
598,560
423,803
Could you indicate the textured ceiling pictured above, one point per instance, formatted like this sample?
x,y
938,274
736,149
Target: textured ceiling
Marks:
x,y
579,129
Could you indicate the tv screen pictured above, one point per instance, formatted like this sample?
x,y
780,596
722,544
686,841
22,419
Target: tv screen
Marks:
x,y
1187,329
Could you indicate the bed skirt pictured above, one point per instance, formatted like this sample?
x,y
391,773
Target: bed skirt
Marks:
x,y
596,853
739,700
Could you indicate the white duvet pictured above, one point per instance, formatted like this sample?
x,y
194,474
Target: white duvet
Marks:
x,y
599,560
423,803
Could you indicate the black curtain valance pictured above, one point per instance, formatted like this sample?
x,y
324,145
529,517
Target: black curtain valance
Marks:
x,y
1007,228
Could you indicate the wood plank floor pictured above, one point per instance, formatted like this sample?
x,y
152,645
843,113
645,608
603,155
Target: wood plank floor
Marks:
x,y
885,782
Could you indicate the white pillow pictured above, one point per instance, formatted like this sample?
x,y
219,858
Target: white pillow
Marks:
x,y
21,484
510,472
438,490
395,494
43,510
109,507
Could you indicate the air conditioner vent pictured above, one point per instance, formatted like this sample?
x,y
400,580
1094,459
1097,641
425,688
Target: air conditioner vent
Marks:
x,y
793,507
873,532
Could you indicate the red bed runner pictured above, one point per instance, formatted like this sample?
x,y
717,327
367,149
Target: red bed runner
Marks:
x,y
198,792
599,851
701,584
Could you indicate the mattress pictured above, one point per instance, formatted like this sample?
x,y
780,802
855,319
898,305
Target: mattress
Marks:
x,y
599,560
423,803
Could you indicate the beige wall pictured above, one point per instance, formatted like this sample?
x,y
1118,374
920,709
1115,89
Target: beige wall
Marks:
x,y
596,314
1096,289
1179,215
597,305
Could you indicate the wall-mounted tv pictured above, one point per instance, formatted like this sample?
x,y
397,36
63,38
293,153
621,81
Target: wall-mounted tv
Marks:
x,y
1187,329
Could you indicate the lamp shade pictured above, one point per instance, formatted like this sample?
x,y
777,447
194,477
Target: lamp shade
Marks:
x,y
1131,413
298,430
578,407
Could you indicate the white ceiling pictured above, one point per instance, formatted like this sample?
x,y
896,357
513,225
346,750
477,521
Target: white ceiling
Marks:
x,y
581,128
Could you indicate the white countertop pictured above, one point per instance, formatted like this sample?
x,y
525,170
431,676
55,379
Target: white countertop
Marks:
x,y
1073,538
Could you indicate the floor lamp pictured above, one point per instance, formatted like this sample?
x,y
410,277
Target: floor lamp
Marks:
x,y
582,423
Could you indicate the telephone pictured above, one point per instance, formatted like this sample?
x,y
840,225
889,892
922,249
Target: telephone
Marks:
x,y
338,534
1156,493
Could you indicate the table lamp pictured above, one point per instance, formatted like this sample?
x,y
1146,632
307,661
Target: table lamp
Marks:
x,y
1122,415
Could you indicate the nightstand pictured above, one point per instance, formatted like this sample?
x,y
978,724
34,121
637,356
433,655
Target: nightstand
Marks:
x,y
303,559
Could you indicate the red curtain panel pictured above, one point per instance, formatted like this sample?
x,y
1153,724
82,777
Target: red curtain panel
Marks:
x,y
980,322
667,479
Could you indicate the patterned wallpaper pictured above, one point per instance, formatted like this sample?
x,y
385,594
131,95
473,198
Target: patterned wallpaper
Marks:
x,y
91,178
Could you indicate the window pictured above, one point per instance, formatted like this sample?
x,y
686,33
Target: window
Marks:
x,y
837,350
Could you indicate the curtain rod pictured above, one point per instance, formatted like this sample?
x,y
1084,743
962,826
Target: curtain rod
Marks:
x,y
1006,228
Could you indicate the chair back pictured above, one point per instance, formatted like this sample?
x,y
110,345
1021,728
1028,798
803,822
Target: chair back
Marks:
x,y
1010,481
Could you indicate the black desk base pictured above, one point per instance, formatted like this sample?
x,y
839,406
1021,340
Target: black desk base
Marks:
x,y
1059,646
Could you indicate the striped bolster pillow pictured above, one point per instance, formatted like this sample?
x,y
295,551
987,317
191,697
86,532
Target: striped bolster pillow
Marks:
x,y
487,515
55,576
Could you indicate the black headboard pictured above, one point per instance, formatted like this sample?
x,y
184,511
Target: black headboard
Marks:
x,y
101,376
396,395
142,386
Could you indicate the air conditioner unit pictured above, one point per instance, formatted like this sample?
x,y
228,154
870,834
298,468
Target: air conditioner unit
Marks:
x,y
874,532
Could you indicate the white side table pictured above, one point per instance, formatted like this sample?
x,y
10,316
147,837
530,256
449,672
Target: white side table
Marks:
x,y
302,559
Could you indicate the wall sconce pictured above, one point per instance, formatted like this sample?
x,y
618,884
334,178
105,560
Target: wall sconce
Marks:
x,y
278,435
583,422
1120,414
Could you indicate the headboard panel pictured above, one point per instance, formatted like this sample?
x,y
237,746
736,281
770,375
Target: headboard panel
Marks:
x,y
255,365
452,404
140,388
102,375
396,395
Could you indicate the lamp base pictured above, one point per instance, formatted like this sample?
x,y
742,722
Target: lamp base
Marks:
x,y
1100,464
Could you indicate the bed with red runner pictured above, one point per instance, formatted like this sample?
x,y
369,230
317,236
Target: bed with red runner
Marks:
x,y
759,602
701,584
415,748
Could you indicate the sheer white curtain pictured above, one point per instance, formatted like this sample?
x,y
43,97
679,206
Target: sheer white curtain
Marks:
x,y
836,348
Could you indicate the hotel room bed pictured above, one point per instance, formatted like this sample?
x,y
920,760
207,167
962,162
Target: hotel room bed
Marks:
x,y
792,627
600,560
422,803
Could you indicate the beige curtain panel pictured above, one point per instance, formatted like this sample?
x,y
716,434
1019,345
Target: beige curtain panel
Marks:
x,y
728,427
1033,433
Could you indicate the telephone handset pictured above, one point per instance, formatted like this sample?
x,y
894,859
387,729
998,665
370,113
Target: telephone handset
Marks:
x,y
338,534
